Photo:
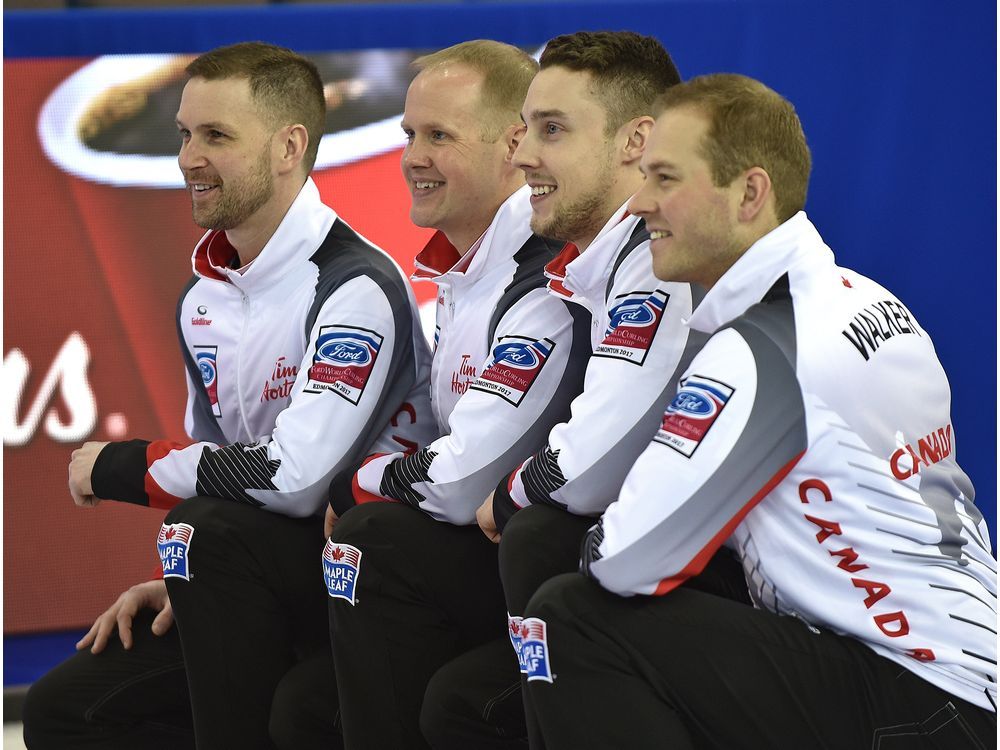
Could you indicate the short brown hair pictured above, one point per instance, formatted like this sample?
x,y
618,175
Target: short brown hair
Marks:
x,y
507,72
750,125
286,87
628,70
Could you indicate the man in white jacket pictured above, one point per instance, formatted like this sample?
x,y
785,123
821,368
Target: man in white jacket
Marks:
x,y
412,582
303,354
811,435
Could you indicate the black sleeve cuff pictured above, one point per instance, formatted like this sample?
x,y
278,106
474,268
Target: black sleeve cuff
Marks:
x,y
119,472
342,491
504,506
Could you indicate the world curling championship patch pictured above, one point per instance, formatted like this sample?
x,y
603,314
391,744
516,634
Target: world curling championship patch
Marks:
x,y
514,366
173,543
691,414
634,320
205,358
341,565
343,361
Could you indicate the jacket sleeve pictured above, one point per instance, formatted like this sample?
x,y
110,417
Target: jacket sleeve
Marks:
x,y
732,432
538,355
358,366
629,380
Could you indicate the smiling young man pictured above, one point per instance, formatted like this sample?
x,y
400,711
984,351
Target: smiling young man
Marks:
x,y
812,435
587,115
508,359
303,354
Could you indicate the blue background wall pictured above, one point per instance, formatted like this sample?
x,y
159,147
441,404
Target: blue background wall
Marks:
x,y
898,100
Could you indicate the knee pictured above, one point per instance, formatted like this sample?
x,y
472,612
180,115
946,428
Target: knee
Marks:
x,y
439,712
204,513
43,711
285,721
372,523
563,599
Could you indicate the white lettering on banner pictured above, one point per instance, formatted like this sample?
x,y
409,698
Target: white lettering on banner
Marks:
x,y
68,373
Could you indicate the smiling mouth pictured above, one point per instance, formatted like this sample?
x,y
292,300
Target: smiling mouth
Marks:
x,y
659,234
538,191
424,185
201,189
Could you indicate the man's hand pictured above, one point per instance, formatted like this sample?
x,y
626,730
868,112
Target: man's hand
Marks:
x,y
484,517
151,595
330,521
81,466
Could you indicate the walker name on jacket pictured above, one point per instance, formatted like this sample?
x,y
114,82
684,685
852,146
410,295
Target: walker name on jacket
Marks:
x,y
876,324
930,449
465,375
279,383
68,375
892,624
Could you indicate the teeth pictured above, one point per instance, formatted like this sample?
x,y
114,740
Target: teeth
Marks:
x,y
658,234
428,185
542,189
202,188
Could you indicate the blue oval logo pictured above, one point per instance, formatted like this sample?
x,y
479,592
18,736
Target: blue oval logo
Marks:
x,y
631,314
206,364
515,355
344,352
693,404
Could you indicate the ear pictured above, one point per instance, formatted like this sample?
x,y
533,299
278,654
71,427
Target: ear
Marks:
x,y
757,195
636,134
512,136
291,142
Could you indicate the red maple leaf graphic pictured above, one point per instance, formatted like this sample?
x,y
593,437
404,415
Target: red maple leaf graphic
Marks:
x,y
170,533
846,282
337,553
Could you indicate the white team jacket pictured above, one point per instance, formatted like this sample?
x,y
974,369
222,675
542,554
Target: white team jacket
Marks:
x,y
814,429
508,359
640,347
297,369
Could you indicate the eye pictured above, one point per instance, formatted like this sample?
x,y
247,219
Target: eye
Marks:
x,y
184,133
409,135
438,135
550,128
215,135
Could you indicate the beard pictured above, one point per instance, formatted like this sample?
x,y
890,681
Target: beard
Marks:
x,y
584,216
238,199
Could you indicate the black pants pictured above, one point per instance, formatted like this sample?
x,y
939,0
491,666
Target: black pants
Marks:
x,y
426,592
253,628
479,699
114,700
694,670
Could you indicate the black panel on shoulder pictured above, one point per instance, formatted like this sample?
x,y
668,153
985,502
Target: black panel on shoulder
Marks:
x,y
639,235
530,259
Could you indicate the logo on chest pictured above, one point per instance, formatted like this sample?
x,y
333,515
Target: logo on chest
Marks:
x,y
206,357
279,383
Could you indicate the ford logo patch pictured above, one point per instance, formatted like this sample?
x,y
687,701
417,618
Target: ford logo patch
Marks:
x,y
515,355
693,403
206,364
343,352
631,315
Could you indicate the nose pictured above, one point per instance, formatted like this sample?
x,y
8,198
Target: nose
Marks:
x,y
190,155
415,155
525,156
641,204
